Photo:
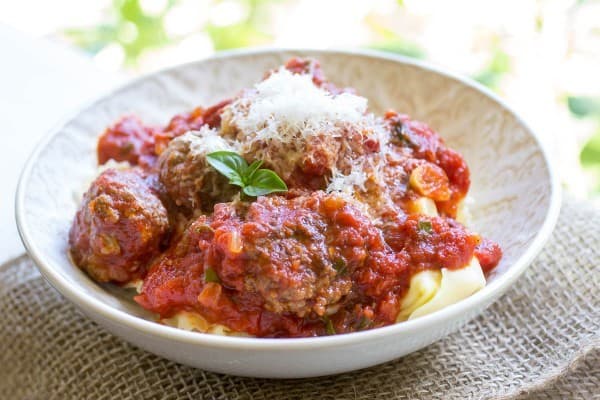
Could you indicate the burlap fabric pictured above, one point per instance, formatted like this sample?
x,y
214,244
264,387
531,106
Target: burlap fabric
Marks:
x,y
541,340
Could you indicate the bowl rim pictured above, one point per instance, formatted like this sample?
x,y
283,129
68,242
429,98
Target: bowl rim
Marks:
x,y
90,304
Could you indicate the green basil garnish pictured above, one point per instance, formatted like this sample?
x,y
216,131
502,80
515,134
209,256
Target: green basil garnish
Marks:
x,y
253,180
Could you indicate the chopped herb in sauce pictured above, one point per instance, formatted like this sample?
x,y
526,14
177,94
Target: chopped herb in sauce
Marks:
x,y
425,226
211,276
126,149
203,229
340,266
329,326
403,132
364,323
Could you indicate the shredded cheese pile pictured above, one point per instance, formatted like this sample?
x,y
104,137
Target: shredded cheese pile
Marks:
x,y
281,116
204,141
287,106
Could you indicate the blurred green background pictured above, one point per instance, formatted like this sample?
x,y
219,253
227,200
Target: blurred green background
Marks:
x,y
542,56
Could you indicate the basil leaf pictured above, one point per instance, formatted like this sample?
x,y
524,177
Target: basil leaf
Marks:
x,y
253,181
252,169
230,164
264,181
237,181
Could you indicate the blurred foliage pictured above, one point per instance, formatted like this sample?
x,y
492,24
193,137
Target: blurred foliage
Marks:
x,y
498,66
136,32
391,42
589,108
399,46
236,36
129,27
584,106
245,33
590,161
590,155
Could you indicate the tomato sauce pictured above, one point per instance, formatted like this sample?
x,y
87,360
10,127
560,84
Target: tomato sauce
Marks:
x,y
128,140
132,141
262,256
422,143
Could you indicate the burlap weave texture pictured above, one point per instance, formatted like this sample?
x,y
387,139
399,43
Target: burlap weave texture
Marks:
x,y
541,340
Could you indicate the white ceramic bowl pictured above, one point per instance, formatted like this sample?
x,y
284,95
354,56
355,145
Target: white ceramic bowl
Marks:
x,y
515,191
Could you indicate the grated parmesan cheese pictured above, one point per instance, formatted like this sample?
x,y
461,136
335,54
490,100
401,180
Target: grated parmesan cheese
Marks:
x,y
344,183
205,141
288,121
286,105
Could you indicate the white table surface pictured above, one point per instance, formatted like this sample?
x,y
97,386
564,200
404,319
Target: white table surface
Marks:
x,y
40,83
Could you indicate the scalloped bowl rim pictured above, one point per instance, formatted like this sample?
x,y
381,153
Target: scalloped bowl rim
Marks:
x,y
452,312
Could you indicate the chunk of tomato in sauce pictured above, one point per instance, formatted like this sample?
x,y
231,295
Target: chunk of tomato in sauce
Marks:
x,y
128,140
489,254
424,143
431,242
190,121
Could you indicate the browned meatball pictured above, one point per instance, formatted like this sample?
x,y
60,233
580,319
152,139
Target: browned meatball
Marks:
x,y
118,227
188,179
298,255
301,131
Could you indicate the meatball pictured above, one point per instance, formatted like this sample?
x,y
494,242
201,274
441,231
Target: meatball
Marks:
x,y
313,67
301,131
297,254
304,161
188,179
189,121
175,278
118,227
